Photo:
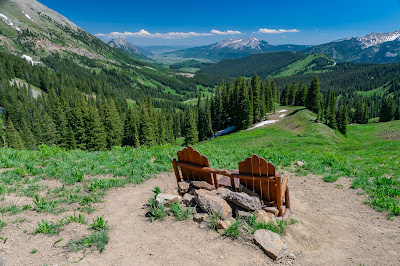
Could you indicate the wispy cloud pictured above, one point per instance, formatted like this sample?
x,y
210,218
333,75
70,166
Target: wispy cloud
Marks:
x,y
228,32
273,31
170,35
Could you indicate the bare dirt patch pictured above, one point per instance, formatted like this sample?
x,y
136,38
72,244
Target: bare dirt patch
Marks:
x,y
334,228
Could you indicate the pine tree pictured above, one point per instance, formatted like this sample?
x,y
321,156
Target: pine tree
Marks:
x,y
301,95
190,130
313,100
13,139
342,119
257,102
397,113
131,134
203,120
330,110
95,134
113,125
285,96
27,137
387,109
146,130
50,134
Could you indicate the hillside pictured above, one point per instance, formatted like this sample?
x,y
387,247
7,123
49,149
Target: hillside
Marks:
x,y
371,48
232,48
271,65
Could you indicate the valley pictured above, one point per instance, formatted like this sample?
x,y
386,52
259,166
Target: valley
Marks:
x,y
90,120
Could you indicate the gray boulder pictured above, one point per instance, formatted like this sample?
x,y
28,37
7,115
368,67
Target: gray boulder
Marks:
x,y
167,199
210,202
245,201
271,243
202,185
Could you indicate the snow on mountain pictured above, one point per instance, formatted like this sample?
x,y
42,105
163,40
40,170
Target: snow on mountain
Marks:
x,y
374,39
240,44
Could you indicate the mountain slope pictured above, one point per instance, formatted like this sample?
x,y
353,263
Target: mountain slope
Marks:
x,y
371,48
232,48
127,47
270,64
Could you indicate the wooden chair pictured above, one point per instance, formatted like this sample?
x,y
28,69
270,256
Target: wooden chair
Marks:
x,y
258,175
195,167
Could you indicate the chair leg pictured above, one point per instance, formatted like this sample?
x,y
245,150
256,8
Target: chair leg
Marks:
x,y
176,170
287,198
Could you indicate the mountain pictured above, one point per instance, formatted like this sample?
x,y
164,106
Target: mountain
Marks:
x,y
271,65
232,48
371,48
127,47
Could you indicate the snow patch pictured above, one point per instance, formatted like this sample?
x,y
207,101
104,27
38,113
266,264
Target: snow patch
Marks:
x,y
18,29
28,59
282,116
389,54
263,124
3,17
225,131
282,111
26,15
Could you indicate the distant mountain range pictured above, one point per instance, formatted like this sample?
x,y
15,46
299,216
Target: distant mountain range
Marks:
x,y
129,48
371,48
232,48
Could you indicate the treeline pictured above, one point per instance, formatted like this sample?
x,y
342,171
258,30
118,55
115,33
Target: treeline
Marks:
x,y
238,105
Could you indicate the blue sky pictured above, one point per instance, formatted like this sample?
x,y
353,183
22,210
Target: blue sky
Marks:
x,y
195,23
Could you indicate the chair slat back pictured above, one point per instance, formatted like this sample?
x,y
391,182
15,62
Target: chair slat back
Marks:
x,y
190,155
257,166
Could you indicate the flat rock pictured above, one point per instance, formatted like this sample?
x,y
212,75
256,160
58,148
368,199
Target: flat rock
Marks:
x,y
271,243
240,213
210,202
222,192
264,217
272,210
183,187
220,224
244,201
200,217
167,199
202,185
188,200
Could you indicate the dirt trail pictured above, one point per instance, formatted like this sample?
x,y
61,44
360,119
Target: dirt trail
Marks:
x,y
334,228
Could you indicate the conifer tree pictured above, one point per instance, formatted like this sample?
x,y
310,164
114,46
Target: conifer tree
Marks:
x,y
342,119
27,137
190,130
50,134
313,100
113,125
387,109
397,113
131,134
301,95
13,139
146,130
285,96
257,102
330,114
95,135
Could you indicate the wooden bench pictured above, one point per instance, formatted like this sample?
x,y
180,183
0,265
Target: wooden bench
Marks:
x,y
254,173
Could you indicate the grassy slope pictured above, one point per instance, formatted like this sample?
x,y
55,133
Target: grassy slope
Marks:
x,y
369,155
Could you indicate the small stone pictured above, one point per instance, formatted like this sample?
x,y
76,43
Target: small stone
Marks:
x,y
202,185
271,210
183,187
203,225
200,217
209,202
167,199
300,163
271,243
188,200
219,224
245,201
263,217
291,256
223,192
240,213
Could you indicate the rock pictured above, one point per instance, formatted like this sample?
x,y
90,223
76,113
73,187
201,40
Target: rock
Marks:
x,y
188,200
220,224
223,192
211,203
167,199
291,256
245,201
248,191
271,210
240,213
200,217
271,243
183,187
263,216
202,185
203,225
191,191
192,210
300,163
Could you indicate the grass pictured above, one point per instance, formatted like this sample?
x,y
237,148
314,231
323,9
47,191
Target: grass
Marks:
x,y
157,211
233,231
2,225
180,214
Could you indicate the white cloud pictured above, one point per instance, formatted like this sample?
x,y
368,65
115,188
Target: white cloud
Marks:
x,y
169,35
146,34
273,31
228,32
